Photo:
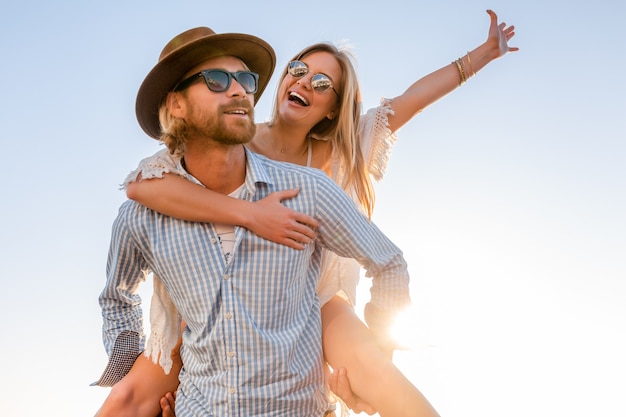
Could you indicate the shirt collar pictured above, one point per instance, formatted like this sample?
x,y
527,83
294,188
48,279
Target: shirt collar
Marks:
x,y
256,171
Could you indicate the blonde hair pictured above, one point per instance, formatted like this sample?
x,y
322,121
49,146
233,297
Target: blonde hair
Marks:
x,y
173,130
342,130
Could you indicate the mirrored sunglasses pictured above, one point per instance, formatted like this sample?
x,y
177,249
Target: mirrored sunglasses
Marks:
x,y
219,80
320,82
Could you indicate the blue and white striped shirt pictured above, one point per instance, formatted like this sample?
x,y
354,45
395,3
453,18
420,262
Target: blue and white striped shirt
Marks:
x,y
252,346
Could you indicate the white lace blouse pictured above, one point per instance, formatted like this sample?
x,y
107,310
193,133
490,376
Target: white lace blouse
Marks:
x,y
338,275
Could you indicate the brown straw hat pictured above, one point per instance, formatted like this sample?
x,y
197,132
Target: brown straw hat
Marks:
x,y
189,49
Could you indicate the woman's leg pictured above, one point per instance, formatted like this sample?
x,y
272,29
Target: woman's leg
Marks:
x,y
139,392
374,378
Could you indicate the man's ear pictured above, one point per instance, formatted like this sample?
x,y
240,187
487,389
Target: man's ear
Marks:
x,y
175,105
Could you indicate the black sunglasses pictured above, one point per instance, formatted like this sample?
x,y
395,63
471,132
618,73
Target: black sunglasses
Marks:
x,y
219,80
320,82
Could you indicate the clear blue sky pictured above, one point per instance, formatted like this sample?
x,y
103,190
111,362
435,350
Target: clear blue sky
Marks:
x,y
507,196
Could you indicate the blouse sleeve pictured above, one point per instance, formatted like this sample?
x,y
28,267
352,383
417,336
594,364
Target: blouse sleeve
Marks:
x,y
162,162
376,138
165,327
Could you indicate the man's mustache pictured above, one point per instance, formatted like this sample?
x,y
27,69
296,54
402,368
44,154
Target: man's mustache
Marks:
x,y
238,105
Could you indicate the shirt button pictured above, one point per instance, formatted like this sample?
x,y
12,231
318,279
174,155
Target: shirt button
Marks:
x,y
226,277
229,316
213,240
232,390
231,354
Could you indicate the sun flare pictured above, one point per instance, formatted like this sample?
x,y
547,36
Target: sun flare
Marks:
x,y
406,330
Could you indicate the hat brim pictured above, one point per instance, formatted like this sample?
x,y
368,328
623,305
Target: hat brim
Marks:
x,y
257,54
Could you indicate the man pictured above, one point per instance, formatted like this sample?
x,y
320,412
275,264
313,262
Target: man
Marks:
x,y
252,341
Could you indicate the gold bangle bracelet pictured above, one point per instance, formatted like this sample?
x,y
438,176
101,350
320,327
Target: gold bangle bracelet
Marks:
x,y
459,66
469,61
459,70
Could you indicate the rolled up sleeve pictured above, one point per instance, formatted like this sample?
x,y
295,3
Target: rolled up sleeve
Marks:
x,y
122,327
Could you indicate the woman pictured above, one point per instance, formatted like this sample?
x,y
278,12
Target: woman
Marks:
x,y
317,122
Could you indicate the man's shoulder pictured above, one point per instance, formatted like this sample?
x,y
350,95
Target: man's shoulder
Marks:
x,y
129,205
135,220
131,211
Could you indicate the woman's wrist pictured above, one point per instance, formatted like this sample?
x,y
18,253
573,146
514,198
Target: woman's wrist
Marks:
x,y
245,216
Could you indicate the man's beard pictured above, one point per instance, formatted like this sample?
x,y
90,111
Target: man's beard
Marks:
x,y
235,132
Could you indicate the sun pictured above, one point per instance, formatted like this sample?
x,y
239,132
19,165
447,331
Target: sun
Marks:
x,y
406,330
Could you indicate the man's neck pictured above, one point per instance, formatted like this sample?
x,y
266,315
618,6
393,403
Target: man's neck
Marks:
x,y
221,169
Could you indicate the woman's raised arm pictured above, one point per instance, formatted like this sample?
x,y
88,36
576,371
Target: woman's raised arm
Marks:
x,y
439,83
